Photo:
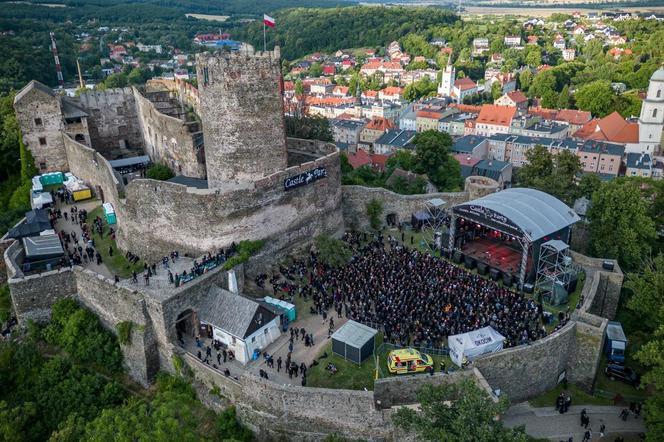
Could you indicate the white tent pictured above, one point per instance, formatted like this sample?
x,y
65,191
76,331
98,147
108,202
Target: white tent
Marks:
x,y
41,199
473,344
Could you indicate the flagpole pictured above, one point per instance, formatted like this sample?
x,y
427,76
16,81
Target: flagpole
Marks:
x,y
264,45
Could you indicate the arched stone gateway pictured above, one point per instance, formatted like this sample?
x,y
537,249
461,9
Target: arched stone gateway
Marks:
x,y
186,324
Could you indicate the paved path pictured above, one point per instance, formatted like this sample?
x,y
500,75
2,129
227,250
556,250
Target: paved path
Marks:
x,y
546,422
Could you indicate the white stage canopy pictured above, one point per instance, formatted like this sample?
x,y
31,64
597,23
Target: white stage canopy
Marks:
x,y
474,343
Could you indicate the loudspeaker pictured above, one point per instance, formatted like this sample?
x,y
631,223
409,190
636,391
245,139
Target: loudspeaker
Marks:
x,y
470,262
507,279
528,288
608,265
482,268
495,274
457,257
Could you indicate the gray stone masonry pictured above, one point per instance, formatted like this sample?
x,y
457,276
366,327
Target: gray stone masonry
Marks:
x,y
242,115
356,198
40,118
112,121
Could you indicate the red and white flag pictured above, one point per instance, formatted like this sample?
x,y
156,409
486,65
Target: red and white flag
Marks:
x,y
268,21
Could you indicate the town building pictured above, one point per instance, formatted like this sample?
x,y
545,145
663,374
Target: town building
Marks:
x,y
494,119
393,140
374,130
515,99
346,133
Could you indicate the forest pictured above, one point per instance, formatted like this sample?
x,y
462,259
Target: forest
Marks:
x,y
65,382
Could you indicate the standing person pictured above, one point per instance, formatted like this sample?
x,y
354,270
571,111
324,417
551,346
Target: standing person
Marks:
x,y
588,435
224,354
584,414
602,429
279,363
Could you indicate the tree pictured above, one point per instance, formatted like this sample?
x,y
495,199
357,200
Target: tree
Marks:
x,y
496,90
597,97
434,159
459,412
419,89
374,211
313,127
299,87
563,99
620,227
159,172
316,70
588,184
647,301
539,165
525,80
332,251
402,159
533,56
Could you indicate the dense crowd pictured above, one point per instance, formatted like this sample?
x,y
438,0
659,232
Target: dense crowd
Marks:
x,y
417,299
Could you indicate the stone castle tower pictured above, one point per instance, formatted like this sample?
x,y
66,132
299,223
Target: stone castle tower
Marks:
x,y
651,121
447,79
242,115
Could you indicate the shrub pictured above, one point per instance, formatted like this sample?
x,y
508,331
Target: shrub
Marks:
x,y
374,210
79,333
124,332
160,172
332,251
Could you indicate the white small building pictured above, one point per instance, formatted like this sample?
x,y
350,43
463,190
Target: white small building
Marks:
x,y
569,54
240,323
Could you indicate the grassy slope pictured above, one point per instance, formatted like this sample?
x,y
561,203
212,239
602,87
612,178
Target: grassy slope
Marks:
x,y
117,263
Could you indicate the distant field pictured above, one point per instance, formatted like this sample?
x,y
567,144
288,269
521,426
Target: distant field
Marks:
x,y
209,17
547,12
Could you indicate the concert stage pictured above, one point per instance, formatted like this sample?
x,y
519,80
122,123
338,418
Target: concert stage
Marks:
x,y
496,254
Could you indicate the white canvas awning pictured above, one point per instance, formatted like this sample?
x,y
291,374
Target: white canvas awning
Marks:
x,y
473,344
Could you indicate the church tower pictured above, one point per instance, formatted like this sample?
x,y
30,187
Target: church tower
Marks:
x,y
651,121
447,79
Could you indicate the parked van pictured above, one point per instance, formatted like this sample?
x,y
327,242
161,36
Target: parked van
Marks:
x,y
408,360
615,343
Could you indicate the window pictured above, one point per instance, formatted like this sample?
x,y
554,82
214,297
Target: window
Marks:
x,y
42,141
38,122
42,166
659,93
206,76
253,339
654,113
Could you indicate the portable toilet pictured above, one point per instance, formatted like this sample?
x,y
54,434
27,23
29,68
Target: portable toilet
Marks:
x,y
615,343
109,213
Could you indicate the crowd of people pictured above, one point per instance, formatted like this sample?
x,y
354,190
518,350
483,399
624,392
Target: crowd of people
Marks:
x,y
416,298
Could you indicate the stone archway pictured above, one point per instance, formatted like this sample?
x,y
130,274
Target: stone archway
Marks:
x,y
186,325
391,219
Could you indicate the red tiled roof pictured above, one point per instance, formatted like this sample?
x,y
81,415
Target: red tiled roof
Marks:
x,y
379,161
379,123
572,116
496,115
464,84
517,96
392,90
358,159
340,90
466,160
428,114
547,114
613,128
469,108
370,94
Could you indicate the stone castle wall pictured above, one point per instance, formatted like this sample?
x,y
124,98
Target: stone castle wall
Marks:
x,y
168,140
43,140
90,166
243,116
356,198
112,120
160,216
298,413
